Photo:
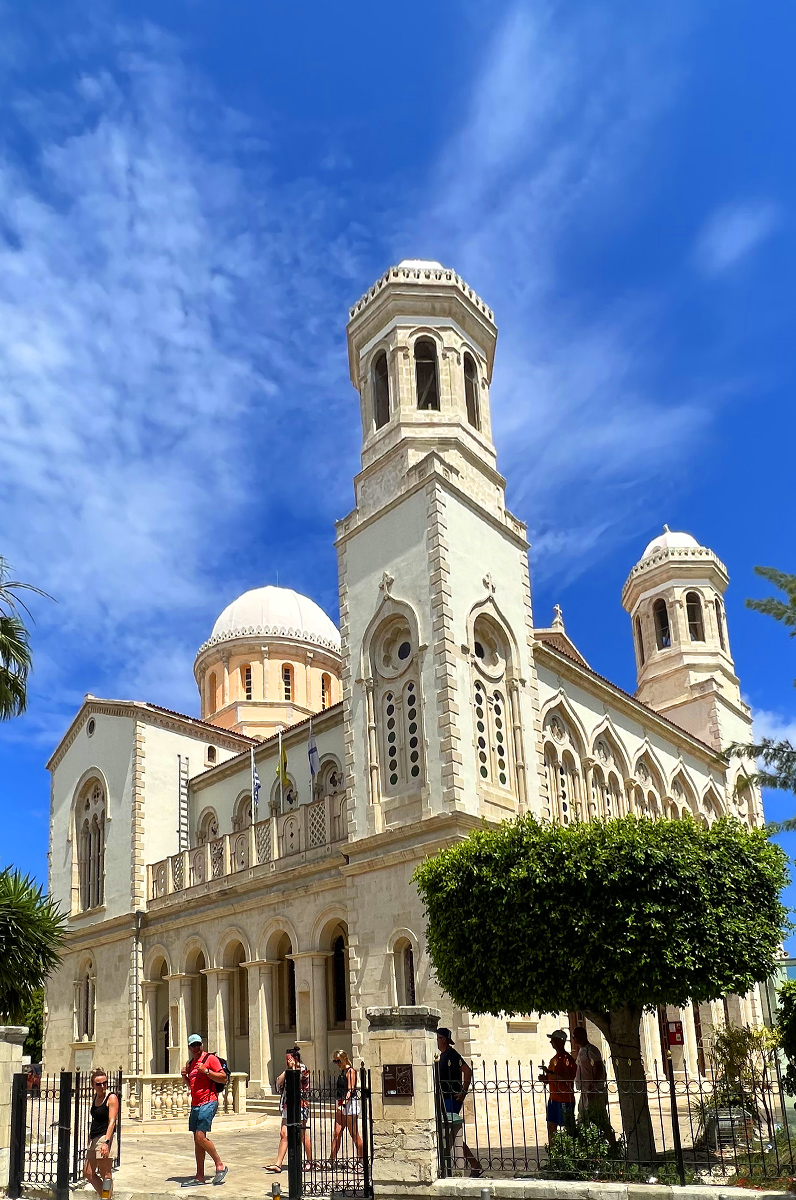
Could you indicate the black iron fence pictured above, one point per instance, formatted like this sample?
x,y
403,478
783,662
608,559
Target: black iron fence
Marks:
x,y
329,1146
49,1130
665,1129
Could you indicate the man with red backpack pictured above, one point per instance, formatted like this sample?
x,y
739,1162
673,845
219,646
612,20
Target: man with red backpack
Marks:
x,y
206,1076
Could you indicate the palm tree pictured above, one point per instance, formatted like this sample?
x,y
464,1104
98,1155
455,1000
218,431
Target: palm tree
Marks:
x,y
15,656
32,929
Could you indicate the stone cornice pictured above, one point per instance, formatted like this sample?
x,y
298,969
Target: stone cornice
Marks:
x,y
139,710
407,842
278,633
425,274
685,556
645,716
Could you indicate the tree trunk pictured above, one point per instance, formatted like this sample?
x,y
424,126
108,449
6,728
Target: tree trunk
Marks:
x,y
622,1030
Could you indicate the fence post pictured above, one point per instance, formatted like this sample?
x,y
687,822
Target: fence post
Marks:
x,y
678,1147
64,1130
294,1138
16,1162
76,1131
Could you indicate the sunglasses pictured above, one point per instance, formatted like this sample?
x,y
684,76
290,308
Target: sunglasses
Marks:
x,y
100,1082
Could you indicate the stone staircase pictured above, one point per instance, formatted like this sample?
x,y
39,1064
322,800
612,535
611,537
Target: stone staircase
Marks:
x,y
267,1107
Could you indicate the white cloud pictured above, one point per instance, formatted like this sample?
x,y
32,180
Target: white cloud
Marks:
x,y
549,158
732,233
774,725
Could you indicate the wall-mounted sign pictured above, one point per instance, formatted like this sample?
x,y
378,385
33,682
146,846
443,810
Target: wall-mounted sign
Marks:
x,y
397,1080
675,1033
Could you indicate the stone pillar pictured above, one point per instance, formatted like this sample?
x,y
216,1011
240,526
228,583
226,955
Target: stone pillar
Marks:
x,y
261,1002
225,679
12,1038
179,1019
218,981
404,1127
690,1050
320,1015
149,989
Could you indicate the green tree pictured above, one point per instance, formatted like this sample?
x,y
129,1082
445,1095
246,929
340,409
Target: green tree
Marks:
x,y
786,1026
15,656
607,917
32,929
777,757
33,1017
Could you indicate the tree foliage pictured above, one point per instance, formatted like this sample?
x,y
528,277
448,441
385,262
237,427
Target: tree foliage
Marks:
x,y
625,913
15,656
33,1017
786,1026
776,759
32,929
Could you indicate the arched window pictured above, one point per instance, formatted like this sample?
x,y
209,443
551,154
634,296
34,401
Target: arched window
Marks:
x,y
211,692
381,391
85,1005
90,823
720,624
663,634
211,754
287,682
398,707
471,391
598,793
492,726
563,783
208,828
246,681
404,964
426,377
326,691
639,641
339,981
696,623
242,816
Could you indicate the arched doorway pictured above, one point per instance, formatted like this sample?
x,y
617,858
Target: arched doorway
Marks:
x,y
284,998
156,1009
197,1016
237,1014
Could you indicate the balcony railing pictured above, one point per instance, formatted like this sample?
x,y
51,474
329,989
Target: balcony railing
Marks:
x,y
311,827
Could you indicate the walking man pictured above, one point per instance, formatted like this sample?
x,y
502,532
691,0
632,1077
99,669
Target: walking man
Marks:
x,y
455,1077
201,1073
560,1077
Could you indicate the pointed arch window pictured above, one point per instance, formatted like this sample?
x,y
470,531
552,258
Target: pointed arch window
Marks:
x,y
404,964
493,733
339,980
471,391
398,707
696,621
90,821
663,634
639,642
85,1006
426,374
381,391
720,624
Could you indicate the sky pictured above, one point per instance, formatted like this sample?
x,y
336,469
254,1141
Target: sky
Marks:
x,y
191,197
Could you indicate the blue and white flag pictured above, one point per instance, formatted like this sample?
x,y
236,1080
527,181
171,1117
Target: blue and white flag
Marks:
x,y
312,754
255,788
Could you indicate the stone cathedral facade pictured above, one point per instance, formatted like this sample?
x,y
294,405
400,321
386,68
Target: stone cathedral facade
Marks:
x,y
438,701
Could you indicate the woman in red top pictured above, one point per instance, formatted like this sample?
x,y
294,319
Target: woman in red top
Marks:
x,y
202,1072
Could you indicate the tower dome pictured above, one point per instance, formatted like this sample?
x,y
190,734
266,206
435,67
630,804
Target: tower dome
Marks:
x,y
670,540
272,658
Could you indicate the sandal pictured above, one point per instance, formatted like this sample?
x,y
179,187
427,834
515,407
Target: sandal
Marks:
x,y
273,1168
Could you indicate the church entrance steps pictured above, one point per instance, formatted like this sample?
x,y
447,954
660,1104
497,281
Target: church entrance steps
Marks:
x,y
269,1105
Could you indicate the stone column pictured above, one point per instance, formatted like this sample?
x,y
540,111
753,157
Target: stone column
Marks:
x,y
179,1019
404,1127
149,988
311,974
218,981
12,1038
260,1026
225,679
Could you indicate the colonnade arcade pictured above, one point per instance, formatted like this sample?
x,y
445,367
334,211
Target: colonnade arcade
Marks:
x,y
249,1001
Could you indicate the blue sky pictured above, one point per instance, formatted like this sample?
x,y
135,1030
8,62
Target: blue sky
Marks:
x,y
192,194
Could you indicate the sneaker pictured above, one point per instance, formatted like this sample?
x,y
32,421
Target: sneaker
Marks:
x,y
193,1182
221,1175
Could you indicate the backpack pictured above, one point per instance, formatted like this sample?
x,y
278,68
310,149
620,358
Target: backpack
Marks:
x,y
220,1087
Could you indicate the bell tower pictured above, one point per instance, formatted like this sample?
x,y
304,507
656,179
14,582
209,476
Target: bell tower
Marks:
x,y
438,678
674,596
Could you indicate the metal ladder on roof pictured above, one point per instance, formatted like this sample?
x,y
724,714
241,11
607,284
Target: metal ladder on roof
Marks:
x,y
183,828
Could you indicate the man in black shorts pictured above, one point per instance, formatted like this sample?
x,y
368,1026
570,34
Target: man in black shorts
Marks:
x,y
455,1077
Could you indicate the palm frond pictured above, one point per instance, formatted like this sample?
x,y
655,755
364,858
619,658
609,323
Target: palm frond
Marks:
x,y
32,929
15,662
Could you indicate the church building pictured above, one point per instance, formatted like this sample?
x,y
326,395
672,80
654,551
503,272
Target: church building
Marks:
x,y
436,701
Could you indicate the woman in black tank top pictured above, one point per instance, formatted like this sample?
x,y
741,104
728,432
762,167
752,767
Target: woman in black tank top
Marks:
x,y
104,1114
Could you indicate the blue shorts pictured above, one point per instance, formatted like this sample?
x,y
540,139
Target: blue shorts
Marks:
x,y
560,1112
452,1105
201,1118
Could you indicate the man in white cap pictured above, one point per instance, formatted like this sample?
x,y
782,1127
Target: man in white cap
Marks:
x,y
560,1078
202,1072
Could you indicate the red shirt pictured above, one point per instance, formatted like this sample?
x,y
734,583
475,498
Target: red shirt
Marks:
x,y
203,1089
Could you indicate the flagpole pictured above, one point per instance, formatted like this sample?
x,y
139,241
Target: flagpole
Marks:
x,y
281,777
254,801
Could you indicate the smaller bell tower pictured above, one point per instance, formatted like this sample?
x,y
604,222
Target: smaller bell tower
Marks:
x,y
674,596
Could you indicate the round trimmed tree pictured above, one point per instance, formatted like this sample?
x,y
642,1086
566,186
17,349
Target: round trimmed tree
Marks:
x,y
607,917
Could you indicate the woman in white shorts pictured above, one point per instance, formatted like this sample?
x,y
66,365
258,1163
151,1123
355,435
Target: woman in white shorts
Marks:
x,y
346,1115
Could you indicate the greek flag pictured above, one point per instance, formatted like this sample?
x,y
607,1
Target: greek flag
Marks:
x,y
255,788
312,754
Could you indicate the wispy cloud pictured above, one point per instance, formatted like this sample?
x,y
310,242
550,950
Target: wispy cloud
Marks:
x,y
732,233
549,161
774,725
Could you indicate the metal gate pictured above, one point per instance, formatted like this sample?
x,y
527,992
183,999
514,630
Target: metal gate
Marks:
x,y
49,1130
316,1166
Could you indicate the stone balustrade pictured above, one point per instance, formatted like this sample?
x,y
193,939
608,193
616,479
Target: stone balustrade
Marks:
x,y
166,1097
310,827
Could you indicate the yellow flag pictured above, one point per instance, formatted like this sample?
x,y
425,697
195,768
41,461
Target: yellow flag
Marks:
x,y
281,764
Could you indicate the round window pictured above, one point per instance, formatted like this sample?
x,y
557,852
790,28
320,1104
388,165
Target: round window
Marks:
x,y
92,725
404,650
479,650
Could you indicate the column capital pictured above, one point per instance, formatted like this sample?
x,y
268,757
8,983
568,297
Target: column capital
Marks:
x,y
179,975
259,962
310,954
220,972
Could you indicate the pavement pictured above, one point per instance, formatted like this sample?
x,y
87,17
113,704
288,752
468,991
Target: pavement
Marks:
x,y
155,1161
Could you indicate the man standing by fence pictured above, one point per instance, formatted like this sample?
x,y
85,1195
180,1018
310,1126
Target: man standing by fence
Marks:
x,y
202,1072
560,1077
455,1077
